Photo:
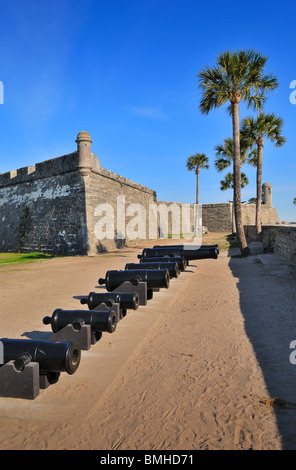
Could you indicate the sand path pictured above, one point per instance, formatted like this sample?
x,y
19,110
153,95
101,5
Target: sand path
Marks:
x,y
197,368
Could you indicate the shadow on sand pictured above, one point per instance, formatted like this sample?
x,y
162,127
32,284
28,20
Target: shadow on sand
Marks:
x,y
267,289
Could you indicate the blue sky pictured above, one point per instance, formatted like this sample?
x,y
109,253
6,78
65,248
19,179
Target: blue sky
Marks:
x,y
125,71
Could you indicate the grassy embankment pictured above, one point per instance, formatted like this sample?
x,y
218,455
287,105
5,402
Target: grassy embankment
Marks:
x,y
21,258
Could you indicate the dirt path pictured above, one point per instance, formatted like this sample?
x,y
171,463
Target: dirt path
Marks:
x,y
197,368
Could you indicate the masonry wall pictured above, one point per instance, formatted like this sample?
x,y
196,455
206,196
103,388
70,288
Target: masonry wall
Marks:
x,y
218,217
104,187
281,239
42,208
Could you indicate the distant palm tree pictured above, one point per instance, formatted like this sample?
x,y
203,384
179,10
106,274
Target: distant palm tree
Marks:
x,y
195,162
227,183
224,154
294,202
253,131
237,76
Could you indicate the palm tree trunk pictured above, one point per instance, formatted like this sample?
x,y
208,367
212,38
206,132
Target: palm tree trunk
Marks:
x,y
259,185
237,176
197,185
233,219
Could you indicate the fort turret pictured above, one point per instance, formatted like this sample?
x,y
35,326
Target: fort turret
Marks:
x,y
267,194
84,152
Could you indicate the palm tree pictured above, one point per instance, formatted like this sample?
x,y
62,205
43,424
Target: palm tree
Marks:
x,y
224,154
294,202
195,162
237,76
227,183
253,131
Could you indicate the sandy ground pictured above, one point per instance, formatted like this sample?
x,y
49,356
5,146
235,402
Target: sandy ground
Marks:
x,y
205,365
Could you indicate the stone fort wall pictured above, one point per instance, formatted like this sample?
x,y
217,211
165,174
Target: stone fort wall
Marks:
x,y
219,217
52,206
280,239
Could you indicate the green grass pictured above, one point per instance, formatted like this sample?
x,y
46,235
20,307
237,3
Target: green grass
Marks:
x,y
21,258
180,235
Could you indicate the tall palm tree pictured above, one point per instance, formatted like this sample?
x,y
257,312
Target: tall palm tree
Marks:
x,y
237,76
294,201
253,131
195,162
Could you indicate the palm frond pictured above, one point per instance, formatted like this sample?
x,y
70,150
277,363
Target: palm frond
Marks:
x,y
265,125
236,72
199,160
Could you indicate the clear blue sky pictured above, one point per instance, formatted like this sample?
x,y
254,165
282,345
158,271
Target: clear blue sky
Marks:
x,y
125,71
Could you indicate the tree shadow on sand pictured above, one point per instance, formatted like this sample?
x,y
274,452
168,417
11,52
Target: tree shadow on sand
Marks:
x,y
268,304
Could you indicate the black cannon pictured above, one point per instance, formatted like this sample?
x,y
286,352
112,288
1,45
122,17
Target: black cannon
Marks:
x,y
173,268
201,247
52,356
126,300
99,321
180,260
154,278
188,254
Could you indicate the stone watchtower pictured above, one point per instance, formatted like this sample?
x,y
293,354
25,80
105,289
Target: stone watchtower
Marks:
x,y
84,153
267,194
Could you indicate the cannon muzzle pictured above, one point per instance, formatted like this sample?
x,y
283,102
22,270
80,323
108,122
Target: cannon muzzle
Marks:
x,y
52,356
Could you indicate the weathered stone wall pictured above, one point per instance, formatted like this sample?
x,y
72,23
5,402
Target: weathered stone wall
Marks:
x,y
51,206
281,239
42,208
269,214
218,217
105,187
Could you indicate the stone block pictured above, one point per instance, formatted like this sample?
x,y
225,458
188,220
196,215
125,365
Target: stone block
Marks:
x,y
256,248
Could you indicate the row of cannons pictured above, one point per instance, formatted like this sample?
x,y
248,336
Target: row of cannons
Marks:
x,y
30,365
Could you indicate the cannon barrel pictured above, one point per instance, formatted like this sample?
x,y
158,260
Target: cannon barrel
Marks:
x,y
188,254
173,268
52,356
188,246
180,260
99,321
154,278
126,300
